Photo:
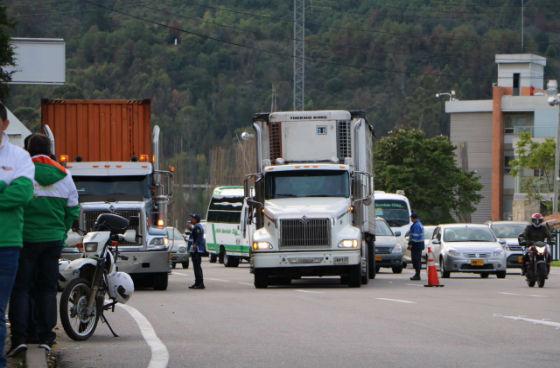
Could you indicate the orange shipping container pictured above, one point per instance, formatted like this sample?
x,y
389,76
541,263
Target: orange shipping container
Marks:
x,y
99,130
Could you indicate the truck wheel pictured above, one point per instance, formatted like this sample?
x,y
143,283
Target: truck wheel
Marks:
x,y
160,281
365,273
397,269
355,276
501,274
213,257
173,265
261,279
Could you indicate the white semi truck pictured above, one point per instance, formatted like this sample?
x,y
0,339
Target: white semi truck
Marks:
x,y
312,197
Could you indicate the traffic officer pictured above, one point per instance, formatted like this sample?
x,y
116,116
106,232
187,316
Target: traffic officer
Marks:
x,y
197,248
416,244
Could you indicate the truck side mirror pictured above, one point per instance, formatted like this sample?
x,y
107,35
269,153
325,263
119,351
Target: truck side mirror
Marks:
x,y
129,236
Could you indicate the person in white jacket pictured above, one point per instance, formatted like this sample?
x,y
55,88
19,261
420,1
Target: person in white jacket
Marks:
x,y
16,190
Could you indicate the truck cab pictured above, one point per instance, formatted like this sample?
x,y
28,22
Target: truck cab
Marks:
x,y
313,197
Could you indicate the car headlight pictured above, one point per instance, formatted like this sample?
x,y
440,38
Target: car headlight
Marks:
x,y
498,252
182,249
90,247
261,245
348,243
158,242
397,249
454,253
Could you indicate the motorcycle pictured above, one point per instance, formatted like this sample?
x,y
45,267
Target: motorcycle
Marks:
x,y
536,263
89,281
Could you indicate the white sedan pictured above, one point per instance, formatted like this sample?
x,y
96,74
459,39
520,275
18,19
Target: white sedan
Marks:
x,y
469,248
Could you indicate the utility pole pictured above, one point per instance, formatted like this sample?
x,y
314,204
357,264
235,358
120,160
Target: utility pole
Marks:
x,y
299,55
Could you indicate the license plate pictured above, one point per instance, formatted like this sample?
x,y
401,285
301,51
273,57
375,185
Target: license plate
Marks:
x,y
340,260
520,259
300,260
477,262
378,258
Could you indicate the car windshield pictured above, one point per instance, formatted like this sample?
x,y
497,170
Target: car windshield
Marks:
x,y
307,183
508,230
394,211
112,188
468,234
381,229
174,234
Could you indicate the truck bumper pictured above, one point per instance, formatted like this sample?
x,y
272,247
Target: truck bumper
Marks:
x,y
144,262
330,262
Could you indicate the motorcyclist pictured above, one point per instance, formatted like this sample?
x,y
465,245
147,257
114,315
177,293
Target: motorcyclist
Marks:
x,y
537,231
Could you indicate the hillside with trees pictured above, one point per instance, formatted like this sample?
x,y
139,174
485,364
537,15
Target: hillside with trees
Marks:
x,y
208,65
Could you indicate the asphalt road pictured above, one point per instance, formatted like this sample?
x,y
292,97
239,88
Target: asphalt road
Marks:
x,y
391,322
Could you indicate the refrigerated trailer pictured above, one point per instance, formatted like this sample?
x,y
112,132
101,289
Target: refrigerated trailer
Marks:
x,y
313,197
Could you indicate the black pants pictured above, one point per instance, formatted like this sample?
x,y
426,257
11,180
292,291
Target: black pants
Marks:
x,y
196,261
416,257
38,269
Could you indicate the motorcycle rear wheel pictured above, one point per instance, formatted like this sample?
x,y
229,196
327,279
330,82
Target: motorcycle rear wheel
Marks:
x,y
77,323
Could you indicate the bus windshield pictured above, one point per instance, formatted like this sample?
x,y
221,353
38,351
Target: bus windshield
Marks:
x,y
307,183
394,211
113,188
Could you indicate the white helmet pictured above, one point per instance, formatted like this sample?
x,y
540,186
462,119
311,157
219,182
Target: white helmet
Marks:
x,y
120,286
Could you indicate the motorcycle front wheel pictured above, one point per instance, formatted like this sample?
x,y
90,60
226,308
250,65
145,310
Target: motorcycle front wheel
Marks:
x,y
541,272
78,323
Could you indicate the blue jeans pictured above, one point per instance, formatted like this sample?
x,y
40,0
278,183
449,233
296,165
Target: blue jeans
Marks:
x,y
8,268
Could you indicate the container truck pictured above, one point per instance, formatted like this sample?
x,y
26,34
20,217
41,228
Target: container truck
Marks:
x,y
112,152
313,197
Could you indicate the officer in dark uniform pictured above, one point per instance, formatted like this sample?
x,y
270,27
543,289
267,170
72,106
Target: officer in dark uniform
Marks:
x,y
197,249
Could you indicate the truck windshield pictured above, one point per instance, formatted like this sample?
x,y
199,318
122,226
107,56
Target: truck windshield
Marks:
x,y
112,188
395,212
307,183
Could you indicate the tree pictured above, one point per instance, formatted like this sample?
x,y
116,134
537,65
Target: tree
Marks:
x,y
425,169
539,158
6,52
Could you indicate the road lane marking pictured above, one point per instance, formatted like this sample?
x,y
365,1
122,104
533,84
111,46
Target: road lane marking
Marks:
x,y
245,283
414,285
179,274
309,291
397,300
218,280
160,354
531,295
530,320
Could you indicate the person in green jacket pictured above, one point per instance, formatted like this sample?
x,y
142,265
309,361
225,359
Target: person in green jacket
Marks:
x,y
47,219
16,190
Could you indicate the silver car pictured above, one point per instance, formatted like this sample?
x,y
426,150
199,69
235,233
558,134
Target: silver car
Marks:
x,y
389,251
178,247
508,233
469,248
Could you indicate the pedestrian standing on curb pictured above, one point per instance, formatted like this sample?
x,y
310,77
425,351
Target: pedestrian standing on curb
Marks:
x,y
16,190
416,244
47,219
198,248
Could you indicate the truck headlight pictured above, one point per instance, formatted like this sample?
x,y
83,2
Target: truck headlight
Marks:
x,y
261,245
158,241
348,243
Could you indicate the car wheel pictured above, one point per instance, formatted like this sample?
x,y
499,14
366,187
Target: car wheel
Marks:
x,y
185,264
501,274
444,274
173,265
397,269
484,275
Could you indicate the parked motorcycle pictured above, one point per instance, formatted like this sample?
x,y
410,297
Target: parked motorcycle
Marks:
x,y
88,281
536,263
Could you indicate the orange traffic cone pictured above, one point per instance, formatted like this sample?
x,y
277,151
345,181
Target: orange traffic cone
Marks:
x,y
433,279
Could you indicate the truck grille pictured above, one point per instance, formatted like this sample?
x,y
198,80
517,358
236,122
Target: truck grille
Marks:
x,y
90,217
304,233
